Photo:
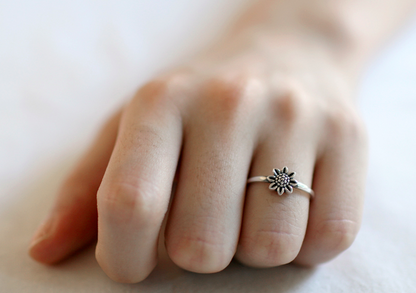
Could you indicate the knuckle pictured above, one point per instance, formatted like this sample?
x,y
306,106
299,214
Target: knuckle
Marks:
x,y
162,91
124,201
337,235
269,248
154,89
291,104
231,96
344,123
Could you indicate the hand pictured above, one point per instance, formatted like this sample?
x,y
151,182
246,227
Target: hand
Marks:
x,y
259,104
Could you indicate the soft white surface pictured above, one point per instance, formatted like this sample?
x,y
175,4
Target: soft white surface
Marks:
x,y
66,65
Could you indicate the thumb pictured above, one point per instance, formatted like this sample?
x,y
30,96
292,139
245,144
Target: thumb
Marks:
x,y
72,222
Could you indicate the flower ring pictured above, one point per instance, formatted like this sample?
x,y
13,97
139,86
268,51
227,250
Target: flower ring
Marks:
x,y
282,181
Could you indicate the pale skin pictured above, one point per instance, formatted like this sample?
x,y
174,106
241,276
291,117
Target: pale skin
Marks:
x,y
277,91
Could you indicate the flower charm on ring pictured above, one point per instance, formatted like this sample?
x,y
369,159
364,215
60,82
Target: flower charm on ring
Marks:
x,y
282,181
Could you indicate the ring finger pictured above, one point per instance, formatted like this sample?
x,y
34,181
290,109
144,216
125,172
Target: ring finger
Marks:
x,y
274,226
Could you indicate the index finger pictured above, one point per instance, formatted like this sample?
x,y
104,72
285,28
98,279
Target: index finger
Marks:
x,y
134,194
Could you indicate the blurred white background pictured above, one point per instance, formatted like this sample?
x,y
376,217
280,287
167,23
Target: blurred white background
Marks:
x,y
66,65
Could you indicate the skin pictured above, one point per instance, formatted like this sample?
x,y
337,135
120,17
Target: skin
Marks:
x,y
277,91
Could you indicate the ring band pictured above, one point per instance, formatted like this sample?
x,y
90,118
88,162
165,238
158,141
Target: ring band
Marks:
x,y
282,181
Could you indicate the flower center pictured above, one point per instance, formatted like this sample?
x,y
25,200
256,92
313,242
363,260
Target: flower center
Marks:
x,y
283,180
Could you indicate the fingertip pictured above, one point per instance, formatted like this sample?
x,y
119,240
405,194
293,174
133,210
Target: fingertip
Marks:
x,y
42,251
60,236
45,247
39,247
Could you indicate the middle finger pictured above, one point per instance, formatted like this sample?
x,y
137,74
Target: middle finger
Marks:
x,y
205,217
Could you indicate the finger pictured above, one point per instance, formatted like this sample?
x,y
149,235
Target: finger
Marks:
x,y
205,216
134,195
274,226
72,222
335,213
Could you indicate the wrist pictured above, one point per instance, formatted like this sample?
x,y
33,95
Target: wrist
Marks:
x,y
289,47
330,25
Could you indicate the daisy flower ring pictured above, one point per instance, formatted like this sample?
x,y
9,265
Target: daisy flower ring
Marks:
x,y
282,181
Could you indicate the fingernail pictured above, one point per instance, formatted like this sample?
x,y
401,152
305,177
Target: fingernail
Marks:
x,y
43,232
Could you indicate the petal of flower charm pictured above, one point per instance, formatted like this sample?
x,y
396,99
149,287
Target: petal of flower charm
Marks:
x,y
282,181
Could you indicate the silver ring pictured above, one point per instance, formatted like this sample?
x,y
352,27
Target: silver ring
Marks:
x,y
282,181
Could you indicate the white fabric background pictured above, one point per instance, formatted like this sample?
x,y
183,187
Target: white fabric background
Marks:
x,y
66,65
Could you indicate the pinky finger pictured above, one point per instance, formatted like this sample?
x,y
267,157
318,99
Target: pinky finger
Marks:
x,y
339,184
